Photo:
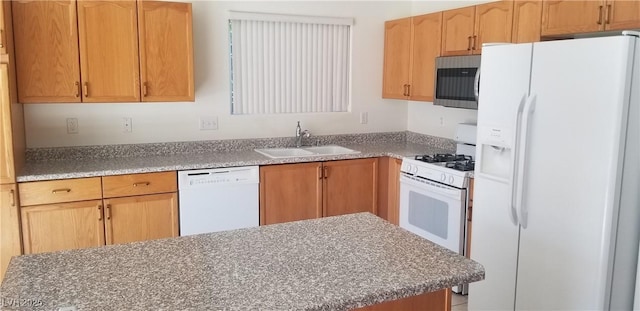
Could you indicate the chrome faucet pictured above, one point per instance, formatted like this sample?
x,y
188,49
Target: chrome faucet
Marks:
x,y
299,134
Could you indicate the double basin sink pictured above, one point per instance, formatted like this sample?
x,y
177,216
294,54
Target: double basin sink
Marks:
x,y
276,153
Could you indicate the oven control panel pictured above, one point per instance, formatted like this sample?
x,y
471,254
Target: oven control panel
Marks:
x,y
434,172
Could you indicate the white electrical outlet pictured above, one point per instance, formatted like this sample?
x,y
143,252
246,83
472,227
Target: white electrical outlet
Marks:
x,y
364,117
441,121
72,126
208,123
127,125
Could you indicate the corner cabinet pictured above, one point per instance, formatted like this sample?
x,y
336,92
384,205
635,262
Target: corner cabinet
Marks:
x,y
561,17
291,192
411,46
166,51
99,51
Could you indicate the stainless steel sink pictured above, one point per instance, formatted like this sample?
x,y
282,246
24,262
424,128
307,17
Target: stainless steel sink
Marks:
x,y
276,153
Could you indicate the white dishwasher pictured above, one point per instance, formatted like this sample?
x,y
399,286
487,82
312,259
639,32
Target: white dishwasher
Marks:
x,y
221,199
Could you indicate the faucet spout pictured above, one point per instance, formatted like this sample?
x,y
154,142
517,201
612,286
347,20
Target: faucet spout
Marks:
x,y
300,134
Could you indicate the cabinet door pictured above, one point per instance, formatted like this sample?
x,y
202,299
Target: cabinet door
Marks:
x,y
3,43
571,16
46,46
350,186
141,218
622,14
55,227
427,32
9,226
108,32
290,192
7,169
527,18
166,51
397,54
389,189
492,24
457,31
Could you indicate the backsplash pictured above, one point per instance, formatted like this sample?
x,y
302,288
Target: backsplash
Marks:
x,y
195,147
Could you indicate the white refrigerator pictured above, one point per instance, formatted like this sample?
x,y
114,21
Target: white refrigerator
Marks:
x,y
556,220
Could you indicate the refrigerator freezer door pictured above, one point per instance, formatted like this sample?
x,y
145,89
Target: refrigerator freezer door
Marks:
x,y
494,243
572,173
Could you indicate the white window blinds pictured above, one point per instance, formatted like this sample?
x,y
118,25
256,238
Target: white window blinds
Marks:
x,y
289,64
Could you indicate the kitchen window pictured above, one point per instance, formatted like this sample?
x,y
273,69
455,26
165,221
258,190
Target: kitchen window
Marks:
x,y
289,63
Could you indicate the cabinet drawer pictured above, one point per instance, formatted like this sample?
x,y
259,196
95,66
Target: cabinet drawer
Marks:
x,y
57,191
139,184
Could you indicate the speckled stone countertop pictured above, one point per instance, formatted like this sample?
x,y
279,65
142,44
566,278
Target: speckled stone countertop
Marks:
x,y
332,263
112,160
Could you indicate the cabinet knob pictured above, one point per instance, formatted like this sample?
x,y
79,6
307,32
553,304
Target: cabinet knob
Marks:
x,y
77,83
99,212
1,38
141,184
473,42
326,172
108,212
469,43
599,15
85,87
144,89
65,190
13,197
607,19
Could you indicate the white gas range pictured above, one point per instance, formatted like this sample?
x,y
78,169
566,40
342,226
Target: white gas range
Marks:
x,y
434,194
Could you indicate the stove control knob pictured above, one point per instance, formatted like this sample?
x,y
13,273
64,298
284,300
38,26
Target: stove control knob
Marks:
x,y
409,168
443,177
451,179
415,169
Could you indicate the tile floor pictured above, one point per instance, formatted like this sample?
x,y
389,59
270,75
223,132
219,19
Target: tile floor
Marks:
x,y
458,302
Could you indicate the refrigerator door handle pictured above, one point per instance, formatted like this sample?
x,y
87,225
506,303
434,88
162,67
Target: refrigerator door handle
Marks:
x,y
522,162
515,160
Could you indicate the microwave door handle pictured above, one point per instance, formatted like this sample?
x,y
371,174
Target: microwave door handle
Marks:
x,y
476,85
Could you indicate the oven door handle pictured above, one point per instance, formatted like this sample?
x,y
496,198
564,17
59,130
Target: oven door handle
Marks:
x,y
431,186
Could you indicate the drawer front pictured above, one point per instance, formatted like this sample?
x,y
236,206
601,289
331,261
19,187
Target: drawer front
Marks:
x,y
139,184
58,191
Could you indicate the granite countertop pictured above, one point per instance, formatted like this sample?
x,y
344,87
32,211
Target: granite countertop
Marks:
x,y
95,161
332,263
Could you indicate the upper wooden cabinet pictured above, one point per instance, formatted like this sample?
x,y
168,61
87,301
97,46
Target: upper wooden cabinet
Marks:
x,y
166,51
46,45
527,18
457,31
493,22
397,58
572,17
97,51
108,39
464,30
411,46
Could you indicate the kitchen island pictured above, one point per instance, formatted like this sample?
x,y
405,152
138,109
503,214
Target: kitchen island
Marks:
x,y
332,263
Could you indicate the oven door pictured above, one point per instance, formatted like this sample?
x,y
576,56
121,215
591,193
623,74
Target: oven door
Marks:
x,y
433,211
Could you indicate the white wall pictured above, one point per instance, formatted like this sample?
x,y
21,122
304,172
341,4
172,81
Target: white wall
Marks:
x,y
163,122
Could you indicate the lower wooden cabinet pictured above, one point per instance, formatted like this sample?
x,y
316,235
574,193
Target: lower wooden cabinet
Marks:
x,y
389,189
292,192
10,240
88,212
62,226
140,218
434,301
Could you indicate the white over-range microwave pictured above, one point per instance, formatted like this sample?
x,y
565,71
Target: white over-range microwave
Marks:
x,y
457,80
